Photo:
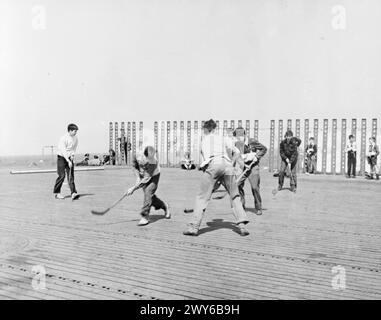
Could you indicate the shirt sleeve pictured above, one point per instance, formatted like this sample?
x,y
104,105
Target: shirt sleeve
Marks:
x,y
62,147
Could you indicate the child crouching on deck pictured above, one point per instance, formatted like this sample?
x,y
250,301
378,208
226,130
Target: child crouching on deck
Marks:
x,y
147,170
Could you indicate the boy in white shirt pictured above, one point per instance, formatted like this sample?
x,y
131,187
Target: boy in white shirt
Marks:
x,y
67,147
219,154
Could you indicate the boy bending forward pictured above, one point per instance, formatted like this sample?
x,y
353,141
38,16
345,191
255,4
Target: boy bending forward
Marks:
x,y
147,170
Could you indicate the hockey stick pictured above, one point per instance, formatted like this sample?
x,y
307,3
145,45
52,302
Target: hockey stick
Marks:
x,y
102,212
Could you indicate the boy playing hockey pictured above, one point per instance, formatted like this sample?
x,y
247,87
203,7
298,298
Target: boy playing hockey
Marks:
x,y
65,162
147,170
289,153
218,155
251,154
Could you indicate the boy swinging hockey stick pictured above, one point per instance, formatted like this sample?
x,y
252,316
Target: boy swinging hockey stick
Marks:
x,y
147,171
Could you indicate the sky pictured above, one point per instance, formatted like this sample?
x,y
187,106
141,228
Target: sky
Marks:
x,y
95,61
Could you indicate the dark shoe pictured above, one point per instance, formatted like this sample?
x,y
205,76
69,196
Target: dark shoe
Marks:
x,y
293,189
190,232
280,188
377,177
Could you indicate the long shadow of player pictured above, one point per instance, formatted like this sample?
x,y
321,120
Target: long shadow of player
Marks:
x,y
219,224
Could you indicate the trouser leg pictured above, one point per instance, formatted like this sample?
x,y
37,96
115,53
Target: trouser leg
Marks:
x,y
61,163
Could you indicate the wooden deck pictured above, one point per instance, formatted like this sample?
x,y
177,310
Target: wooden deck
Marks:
x,y
289,254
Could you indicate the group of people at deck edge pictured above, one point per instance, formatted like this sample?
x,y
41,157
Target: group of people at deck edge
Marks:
x,y
227,160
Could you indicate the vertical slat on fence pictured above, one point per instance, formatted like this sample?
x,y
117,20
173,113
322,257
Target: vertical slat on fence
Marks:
x,y
195,142
189,136
271,153
217,128
181,139
116,143
168,144
325,145
363,146
297,128
239,123
306,137
140,136
111,136
343,144
175,157
333,147
256,128
374,128
297,134
225,127
162,138
280,138
248,129
232,125
122,140
156,137
128,142
289,124
354,128
133,139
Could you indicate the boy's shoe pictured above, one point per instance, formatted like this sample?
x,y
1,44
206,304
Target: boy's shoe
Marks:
x,y
280,188
166,211
74,196
143,222
243,231
293,189
377,177
258,212
59,196
347,176
191,232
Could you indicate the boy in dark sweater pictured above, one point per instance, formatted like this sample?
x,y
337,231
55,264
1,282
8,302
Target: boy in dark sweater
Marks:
x,y
289,154
251,153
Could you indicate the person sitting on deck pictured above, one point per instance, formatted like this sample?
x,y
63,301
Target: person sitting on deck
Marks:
x,y
187,163
85,160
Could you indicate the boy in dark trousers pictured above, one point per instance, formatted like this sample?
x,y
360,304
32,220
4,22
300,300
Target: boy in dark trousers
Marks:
x,y
147,170
351,153
67,147
289,154
251,154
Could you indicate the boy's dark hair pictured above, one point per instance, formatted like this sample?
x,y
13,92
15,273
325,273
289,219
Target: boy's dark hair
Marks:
x,y
210,125
149,151
238,129
288,134
351,136
72,127
373,138
312,138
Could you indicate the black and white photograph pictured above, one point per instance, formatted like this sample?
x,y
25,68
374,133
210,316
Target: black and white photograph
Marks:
x,y
190,150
